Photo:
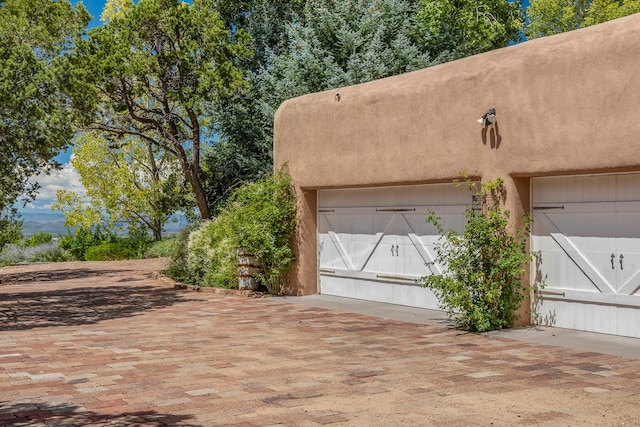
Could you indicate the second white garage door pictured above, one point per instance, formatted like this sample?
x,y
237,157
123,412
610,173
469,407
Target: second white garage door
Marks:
x,y
374,243
587,230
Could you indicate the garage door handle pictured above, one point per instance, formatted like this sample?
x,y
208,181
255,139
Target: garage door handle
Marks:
x,y
613,266
621,258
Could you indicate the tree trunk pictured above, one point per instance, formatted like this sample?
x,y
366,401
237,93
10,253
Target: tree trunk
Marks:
x,y
157,230
201,198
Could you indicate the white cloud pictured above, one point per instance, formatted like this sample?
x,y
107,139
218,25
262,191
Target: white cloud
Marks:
x,y
66,178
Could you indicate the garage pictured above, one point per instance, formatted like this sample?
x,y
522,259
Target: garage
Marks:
x,y
374,243
368,164
587,231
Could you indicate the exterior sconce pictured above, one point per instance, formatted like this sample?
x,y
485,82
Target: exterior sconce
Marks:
x,y
488,118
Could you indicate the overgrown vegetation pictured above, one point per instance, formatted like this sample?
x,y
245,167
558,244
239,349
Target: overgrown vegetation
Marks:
x,y
46,252
98,244
161,249
37,239
481,284
260,218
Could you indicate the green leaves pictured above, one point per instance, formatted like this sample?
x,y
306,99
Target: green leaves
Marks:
x,y
467,27
127,181
152,70
260,218
481,287
546,17
35,123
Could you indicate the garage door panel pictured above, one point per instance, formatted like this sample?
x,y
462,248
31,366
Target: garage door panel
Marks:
x,y
412,261
628,187
587,229
629,283
383,259
627,322
333,255
418,224
384,237
597,318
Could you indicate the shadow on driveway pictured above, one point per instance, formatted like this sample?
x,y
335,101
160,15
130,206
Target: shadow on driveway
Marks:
x,y
52,275
80,306
39,414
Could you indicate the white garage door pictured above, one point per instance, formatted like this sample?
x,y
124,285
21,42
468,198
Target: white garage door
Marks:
x,y
374,243
587,229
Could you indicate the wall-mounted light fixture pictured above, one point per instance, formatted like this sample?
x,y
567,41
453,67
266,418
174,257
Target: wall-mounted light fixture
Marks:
x,y
488,118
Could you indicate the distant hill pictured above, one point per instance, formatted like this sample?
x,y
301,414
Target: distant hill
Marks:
x,y
43,222
53,222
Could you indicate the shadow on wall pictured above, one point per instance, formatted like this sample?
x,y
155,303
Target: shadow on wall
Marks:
x,y
80,306
493,136
27,414
550,318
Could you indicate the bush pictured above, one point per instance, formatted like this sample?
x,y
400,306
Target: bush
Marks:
x,y
161,249
178,268
481,286
260,218
38,239
111,251
10,228
81,244
211,258
78,243
48,252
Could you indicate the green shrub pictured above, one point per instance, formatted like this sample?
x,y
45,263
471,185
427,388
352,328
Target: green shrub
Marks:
x,y
178,268
49,252
481,286
10,228
161,249
78,243
258,217
211,258
38,239
110,246
138,240
111,251
262,220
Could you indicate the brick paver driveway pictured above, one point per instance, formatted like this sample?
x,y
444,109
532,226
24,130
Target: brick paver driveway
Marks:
x,y
106,344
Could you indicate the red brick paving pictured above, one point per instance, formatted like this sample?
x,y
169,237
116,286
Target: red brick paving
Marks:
x,y
93,344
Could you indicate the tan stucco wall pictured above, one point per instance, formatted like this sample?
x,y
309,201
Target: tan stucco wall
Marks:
x,y
569,103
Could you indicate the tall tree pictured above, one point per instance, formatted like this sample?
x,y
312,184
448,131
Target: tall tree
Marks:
x,y
35,124
130,180
244,150
546,17
150,72
605,10
335,43
467,27
308,46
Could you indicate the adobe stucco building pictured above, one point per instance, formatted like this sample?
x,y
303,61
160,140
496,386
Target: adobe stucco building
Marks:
x,y
370,163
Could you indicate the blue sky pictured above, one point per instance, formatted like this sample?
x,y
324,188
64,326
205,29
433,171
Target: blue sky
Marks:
x,y
95,9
